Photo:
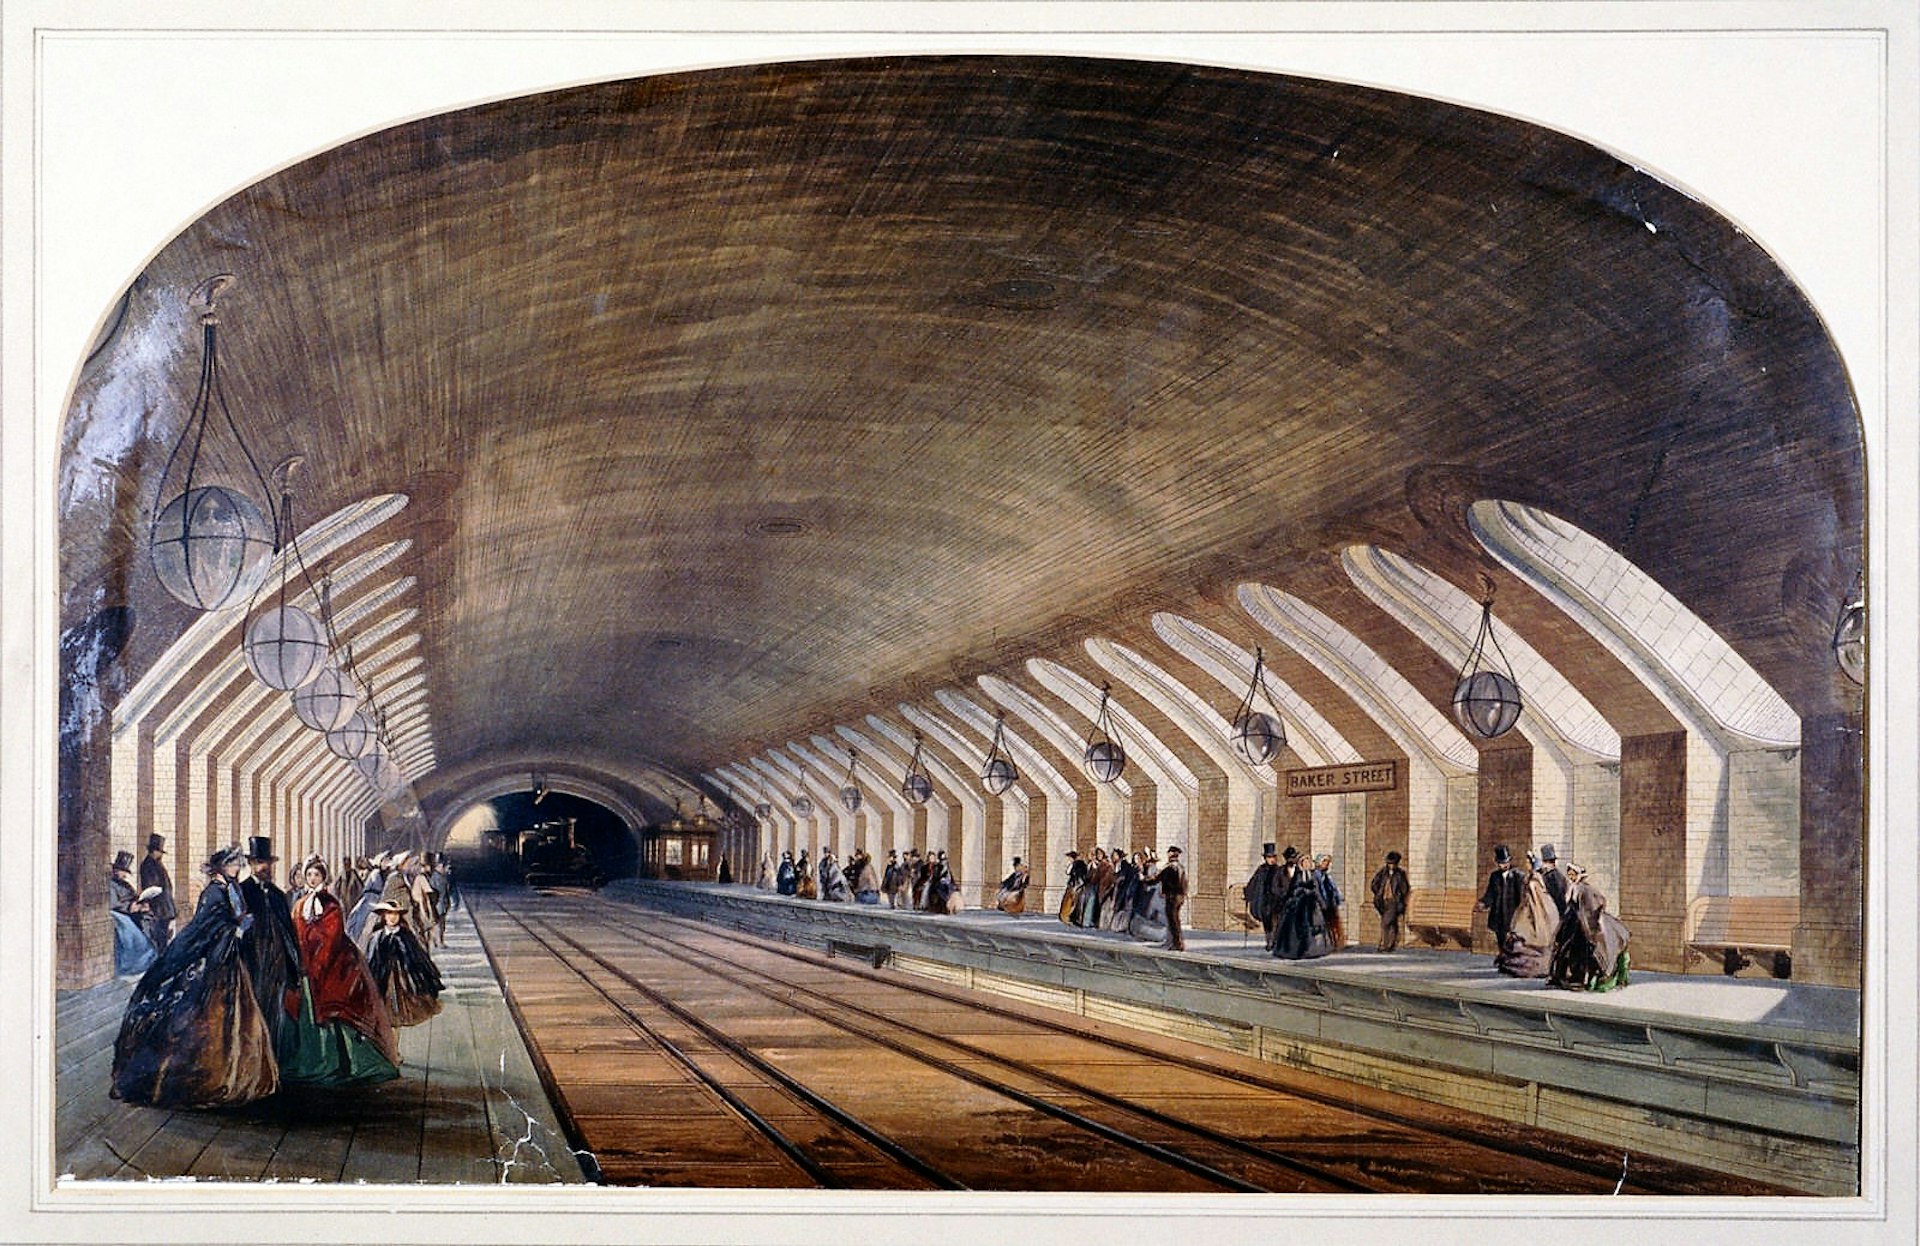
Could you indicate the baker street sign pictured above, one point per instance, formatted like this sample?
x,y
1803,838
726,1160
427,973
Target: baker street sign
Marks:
x,y
1359,776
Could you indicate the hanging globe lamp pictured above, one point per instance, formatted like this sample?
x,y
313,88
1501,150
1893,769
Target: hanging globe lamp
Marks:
x,y
1105,757
208,542
1258,734
1486,698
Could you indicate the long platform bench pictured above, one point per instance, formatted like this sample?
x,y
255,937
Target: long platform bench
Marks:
x,y
1778,1101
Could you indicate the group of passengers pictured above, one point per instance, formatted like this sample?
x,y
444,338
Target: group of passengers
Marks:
x,y
1130,893
923,882
261,991
1553,925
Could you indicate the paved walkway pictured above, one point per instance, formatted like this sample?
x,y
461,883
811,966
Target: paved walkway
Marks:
x,y
1764,1002
467,1107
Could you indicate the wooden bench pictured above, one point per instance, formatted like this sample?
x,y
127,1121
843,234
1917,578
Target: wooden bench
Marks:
x,y
1436,917
1741,931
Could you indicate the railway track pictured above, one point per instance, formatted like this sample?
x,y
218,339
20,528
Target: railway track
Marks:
x,y
1338,1144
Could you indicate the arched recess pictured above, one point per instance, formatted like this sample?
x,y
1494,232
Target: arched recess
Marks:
x,y
983,834
771,833
883,809
1048,796
162,776
1442,797
1734,779
826,770
1097,806
823,831
1573,796
929,824
879,768
1226,840
1334,824
1177,788
967,815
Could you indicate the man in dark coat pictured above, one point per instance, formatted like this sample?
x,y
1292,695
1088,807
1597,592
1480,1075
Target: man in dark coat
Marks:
x,y
1551,878
1258,891
271,949
1501,899
1173,889
1391,891
160,910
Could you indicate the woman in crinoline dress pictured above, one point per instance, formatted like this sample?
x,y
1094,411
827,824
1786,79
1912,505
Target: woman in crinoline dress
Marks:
x,y
405,974
1528,952
1148,922
193,1035
343,1035
1590,946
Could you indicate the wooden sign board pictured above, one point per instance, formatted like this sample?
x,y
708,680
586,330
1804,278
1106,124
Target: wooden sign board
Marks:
x,y
1359,776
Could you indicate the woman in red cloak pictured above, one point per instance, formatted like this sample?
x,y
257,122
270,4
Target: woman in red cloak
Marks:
x,y
345,1035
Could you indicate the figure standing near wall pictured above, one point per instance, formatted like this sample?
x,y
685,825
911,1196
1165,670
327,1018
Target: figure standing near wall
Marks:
x,y
1173,890
272,951
160,910
1501,898
1391,891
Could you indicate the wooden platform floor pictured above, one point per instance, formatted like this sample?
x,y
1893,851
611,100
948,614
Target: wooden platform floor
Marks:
x,y
467,1107
685,1054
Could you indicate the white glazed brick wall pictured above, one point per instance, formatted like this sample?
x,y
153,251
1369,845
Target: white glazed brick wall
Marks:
x,y
1351,861
1554,800
123,795
1593,836
1706,818
1463,830
1763,813
1427,856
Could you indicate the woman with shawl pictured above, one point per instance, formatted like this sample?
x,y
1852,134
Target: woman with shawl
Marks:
x,y
806,885
833,880
1099,887
343,1035
1590,946
1528,952
193,1035
372,886
133,951
1076,887
787,881
1300,930
766,881
402,971
1012,896
1148,921
865,881
1116,910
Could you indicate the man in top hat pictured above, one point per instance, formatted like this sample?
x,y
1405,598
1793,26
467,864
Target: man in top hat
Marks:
x,y
271,949
132,946
1501,899
1551,878
1259,891
1172,878
160,909
1391,892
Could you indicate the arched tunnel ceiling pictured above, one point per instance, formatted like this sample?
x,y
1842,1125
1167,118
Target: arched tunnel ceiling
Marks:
x,y
739,402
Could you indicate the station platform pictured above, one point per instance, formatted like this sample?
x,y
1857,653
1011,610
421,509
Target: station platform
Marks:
x,y
468,1107
1752,1076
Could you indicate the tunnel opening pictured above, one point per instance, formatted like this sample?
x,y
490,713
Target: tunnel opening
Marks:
x,y
555,840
